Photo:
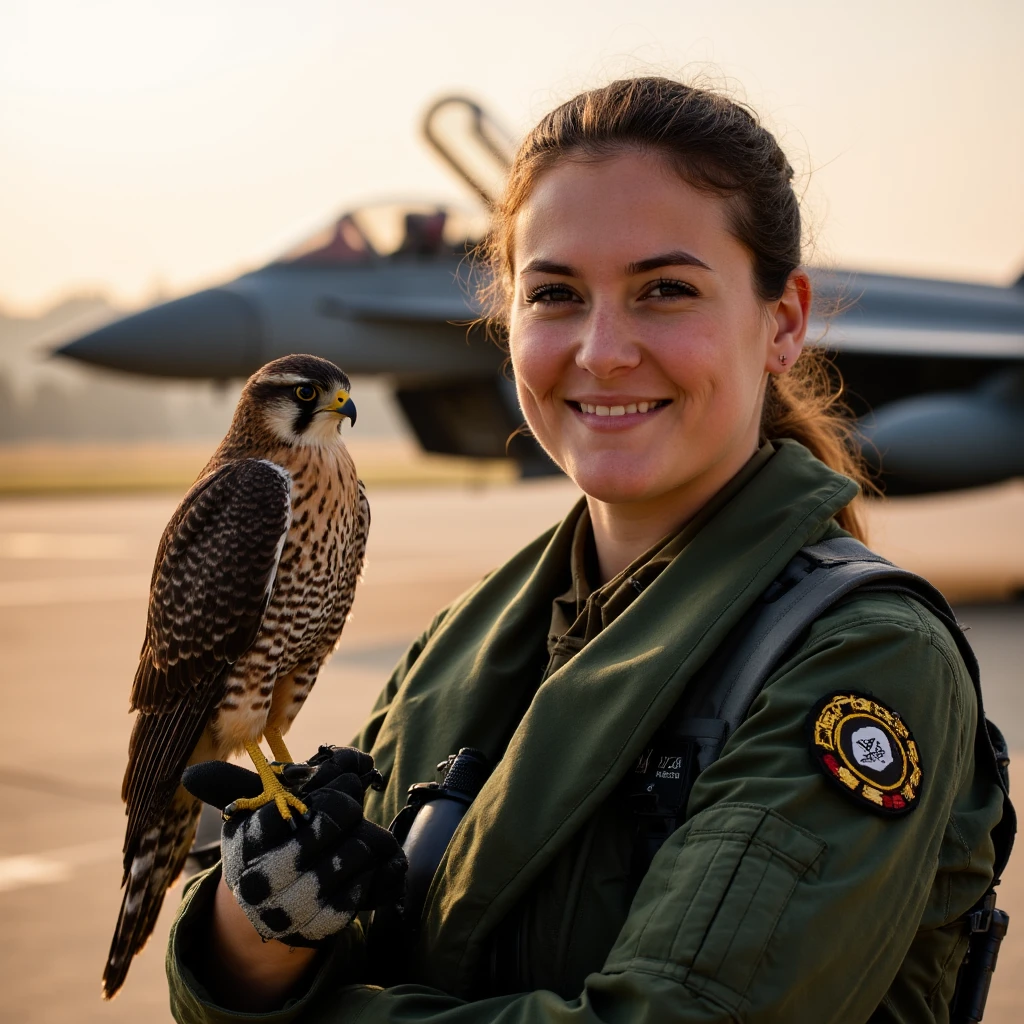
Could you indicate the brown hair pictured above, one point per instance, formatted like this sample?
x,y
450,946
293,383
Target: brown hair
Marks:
x,y
719,147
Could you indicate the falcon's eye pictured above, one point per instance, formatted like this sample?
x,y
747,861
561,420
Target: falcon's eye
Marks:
x,y
306,392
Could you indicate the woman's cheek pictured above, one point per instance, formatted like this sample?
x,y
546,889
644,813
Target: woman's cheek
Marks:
x,y
691,368
535,366
707,362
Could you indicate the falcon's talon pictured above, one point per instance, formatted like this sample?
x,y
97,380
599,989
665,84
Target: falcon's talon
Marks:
x,y
276,794
273,789
282,800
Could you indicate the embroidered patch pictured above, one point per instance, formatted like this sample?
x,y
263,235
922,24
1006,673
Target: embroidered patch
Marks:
x,y
865,750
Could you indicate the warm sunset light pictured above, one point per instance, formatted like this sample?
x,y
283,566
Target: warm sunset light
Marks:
x,y
149,147
700,482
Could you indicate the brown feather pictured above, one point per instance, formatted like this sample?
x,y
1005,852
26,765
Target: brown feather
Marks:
x,y
162,856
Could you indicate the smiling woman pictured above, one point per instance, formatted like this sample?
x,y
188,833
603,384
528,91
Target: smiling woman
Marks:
x,y
687,182
646,268
608,326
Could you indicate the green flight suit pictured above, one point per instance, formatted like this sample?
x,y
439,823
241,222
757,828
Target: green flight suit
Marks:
x,y
780,898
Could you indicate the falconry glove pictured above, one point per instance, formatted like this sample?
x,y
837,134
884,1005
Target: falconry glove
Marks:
x,y
302,881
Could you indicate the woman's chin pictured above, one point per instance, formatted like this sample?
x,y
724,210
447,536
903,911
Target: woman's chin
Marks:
x,y
618,479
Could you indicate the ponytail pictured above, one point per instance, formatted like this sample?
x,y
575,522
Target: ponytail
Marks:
x,y
806,406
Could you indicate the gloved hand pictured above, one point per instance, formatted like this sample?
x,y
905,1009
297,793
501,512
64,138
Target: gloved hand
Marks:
x,y
302,881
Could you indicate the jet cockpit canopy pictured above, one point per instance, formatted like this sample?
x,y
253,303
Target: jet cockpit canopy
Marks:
x,y
399,231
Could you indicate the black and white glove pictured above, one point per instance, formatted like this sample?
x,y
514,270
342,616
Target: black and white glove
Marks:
x,y
302,881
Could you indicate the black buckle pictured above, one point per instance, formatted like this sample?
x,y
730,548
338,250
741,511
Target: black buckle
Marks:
x,y
980,920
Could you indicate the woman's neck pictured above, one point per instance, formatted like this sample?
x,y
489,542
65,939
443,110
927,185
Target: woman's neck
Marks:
x,y
623,531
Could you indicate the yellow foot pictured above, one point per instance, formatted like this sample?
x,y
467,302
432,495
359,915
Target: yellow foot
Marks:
x,y
273,790
277,795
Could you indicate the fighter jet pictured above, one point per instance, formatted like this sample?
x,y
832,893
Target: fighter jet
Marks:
x,y
933,369
935,372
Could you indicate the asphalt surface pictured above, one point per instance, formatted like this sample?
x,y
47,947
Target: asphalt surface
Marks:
x,y
73,584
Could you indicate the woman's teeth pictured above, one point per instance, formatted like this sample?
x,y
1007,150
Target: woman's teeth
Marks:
x,y
618,410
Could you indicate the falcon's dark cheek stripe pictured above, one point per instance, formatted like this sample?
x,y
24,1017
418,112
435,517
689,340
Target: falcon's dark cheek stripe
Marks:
x,y
864,749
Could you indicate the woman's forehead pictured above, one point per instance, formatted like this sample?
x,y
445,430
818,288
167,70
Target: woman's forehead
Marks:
x,y
625,208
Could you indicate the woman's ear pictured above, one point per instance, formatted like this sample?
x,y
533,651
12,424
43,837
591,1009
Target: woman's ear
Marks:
x,y
791,314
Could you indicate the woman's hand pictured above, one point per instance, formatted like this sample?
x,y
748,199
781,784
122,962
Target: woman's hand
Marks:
x,y
296,883
242,971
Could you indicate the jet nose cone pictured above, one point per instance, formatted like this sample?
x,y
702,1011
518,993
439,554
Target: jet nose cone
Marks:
x,y
215,333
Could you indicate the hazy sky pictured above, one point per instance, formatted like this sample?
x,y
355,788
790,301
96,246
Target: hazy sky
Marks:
x,y
150,146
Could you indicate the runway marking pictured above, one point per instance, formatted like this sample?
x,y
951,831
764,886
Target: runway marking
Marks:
x,y
72,590
53,866
20,872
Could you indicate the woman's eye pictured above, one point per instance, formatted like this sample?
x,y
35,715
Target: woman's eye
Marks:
x,y
551,293
666,289
305,392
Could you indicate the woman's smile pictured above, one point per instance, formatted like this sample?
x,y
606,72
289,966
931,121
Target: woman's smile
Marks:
x,y
616,412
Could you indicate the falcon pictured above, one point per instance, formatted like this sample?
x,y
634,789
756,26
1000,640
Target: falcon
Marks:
x,y
254,578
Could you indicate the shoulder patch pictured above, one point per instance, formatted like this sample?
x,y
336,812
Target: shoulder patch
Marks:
x,y
864,749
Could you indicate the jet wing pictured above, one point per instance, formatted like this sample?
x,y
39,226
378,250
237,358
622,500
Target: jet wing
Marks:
x,y
878,314
846,335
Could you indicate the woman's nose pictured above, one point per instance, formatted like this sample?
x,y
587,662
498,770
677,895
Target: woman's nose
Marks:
x,y
606,345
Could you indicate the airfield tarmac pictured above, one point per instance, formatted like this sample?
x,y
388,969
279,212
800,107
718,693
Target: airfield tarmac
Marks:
x,y
74,578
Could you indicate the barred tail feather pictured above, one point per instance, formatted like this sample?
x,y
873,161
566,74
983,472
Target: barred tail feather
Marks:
x,y
149,873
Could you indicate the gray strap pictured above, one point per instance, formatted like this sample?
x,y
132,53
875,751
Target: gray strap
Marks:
x,y
840,566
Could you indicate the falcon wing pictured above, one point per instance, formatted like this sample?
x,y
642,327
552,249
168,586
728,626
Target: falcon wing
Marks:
x,y
214,573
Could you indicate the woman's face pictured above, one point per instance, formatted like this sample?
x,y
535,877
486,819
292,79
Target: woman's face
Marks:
x,y
639,345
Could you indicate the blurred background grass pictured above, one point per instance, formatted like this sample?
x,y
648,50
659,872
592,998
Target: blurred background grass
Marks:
x,y
38,468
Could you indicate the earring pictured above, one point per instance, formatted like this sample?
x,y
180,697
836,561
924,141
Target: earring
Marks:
x,y
782,359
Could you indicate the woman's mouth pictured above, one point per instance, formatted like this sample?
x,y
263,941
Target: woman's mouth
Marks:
x,y
624,409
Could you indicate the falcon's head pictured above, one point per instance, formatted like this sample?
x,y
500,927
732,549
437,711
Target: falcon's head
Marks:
x,y
301,400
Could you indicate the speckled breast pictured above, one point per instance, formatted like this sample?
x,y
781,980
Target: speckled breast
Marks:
x,y
313,591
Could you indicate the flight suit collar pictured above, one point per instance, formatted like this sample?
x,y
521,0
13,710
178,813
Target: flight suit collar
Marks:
x,y
578,615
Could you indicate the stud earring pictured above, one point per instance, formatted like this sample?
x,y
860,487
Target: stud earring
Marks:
x,y
782,359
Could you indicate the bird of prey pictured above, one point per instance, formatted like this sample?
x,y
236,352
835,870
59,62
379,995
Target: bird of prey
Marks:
x,y
254,579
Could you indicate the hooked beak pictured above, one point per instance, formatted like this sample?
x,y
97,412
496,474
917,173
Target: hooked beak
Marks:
x,y
342,405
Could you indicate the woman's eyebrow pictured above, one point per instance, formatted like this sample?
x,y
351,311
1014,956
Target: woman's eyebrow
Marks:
x,y
541,266
676,258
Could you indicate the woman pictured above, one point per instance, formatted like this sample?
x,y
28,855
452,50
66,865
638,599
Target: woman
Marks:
x,y
646,264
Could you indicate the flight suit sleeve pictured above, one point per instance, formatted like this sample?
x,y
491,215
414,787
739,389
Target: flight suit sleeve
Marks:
x,y
781,898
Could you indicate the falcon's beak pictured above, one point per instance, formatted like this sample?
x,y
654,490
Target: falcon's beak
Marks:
x,y
342,405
